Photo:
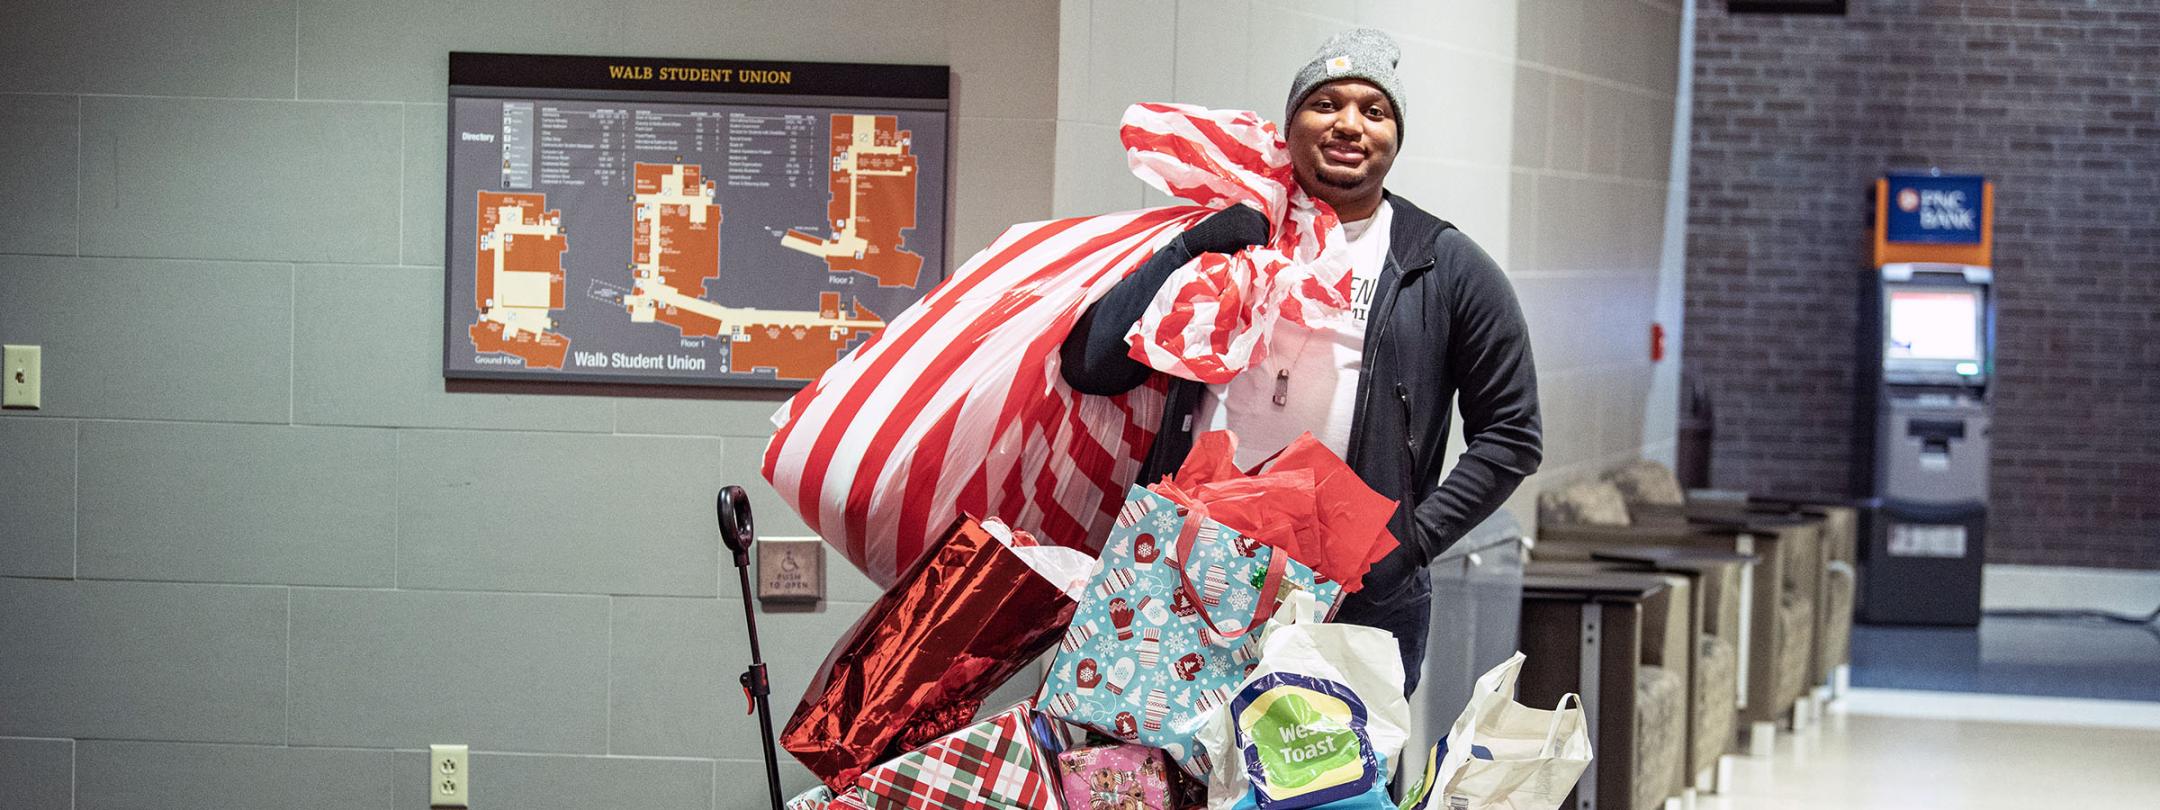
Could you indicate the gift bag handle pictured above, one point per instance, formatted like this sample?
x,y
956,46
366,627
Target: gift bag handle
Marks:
x,y
1196,514
1552,731
1493,689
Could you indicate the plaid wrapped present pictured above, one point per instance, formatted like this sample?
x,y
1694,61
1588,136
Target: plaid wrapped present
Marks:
x,y
995,764
850,800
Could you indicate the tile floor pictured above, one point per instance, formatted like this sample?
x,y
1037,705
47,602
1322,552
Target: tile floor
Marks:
x,y
2016,656
1862,761
2018,713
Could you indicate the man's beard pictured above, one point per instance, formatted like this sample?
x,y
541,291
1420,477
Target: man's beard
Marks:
x,y
1349,181
1346,184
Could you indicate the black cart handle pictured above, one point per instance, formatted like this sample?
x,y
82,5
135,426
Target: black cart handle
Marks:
x,y
736,530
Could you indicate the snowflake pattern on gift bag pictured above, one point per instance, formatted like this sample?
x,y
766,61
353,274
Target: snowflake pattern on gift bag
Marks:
x,y
1164,522
1140,650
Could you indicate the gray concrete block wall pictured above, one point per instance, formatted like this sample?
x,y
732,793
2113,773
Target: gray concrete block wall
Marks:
x,y
36,772
46,131
1595,86
37,493
557,512
142,661
404,669
238,49
257,552
165,339
273,513
197,178
146,776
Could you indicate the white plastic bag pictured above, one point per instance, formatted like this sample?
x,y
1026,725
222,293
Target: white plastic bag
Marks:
x,y
1502,755
1319,723
1067,568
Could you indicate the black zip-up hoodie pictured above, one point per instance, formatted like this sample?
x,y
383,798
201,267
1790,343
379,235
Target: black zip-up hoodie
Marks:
x,y
1444,324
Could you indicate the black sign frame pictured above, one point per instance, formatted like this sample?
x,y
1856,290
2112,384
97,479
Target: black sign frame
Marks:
x,y
1827,7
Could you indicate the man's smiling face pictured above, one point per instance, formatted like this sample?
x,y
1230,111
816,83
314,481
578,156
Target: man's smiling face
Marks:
x,y
1342,141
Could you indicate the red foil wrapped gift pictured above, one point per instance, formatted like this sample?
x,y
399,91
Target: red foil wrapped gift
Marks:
x,y
961,621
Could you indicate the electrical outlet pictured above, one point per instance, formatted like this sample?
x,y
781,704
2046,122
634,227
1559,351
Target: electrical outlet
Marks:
x,y
21,386
449,776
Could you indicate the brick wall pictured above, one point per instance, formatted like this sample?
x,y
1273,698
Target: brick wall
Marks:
x,y
2056,101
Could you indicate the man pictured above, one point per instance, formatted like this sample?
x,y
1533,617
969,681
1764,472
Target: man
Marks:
x,y
1432,317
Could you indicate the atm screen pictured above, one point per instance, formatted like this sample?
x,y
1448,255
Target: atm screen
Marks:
x,y
1934,325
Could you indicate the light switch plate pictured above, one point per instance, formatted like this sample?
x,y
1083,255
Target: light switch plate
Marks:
x,y
790,569
449,776
22,365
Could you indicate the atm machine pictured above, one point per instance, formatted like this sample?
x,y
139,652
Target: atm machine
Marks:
x,y
1931,323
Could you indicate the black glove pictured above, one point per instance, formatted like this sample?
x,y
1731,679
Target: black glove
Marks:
x,y
1228,231
1094,354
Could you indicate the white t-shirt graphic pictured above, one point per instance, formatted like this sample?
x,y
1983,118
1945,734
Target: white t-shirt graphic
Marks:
x,y
1312,371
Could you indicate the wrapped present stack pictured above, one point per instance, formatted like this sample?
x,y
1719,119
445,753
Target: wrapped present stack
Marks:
x,y
1244,697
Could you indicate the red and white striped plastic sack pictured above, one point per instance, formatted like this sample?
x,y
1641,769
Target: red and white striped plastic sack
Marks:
x,y
957,406
1211,319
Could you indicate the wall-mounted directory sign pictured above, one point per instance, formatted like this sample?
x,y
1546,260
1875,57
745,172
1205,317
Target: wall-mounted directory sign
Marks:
x,y
685,221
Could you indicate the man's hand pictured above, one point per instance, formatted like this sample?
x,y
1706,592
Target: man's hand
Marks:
x,y
1094,354
1228,231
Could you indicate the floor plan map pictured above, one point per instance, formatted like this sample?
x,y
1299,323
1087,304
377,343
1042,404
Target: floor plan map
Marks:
x,y
873,201
518,279
678,251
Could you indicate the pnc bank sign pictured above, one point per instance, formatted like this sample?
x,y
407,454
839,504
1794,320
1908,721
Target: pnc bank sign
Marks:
x,y
1945,209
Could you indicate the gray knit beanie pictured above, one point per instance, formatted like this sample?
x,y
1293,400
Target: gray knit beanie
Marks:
x,y
1359,53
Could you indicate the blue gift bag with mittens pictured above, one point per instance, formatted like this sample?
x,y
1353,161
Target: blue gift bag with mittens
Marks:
x,y
1167,627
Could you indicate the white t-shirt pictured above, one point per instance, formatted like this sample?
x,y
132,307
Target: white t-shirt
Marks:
x,y
1309,380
